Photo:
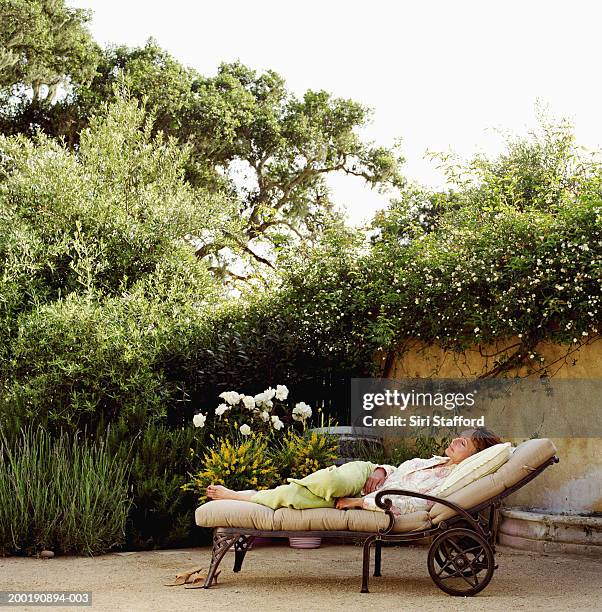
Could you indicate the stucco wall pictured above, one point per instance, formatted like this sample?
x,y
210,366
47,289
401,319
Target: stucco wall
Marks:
x,y
573,485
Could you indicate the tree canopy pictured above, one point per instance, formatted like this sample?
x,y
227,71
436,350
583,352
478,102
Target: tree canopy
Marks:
x,y
44,43
248,136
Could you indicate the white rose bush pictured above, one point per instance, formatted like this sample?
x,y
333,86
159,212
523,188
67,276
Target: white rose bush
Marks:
x,y
265,413
258,441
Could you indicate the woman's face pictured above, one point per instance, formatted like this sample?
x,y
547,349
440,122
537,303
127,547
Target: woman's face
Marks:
x,y
460,448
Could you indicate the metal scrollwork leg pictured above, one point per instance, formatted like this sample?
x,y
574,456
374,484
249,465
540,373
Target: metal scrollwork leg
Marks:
x,y
377,557
366,563
240,550
221,544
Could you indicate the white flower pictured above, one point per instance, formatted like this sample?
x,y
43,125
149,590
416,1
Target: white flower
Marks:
x,y
301,411
245,430
277,423
199,419
281,392
265,416
249,402
232,397
221,409
260,398
265,398
476,330
269,393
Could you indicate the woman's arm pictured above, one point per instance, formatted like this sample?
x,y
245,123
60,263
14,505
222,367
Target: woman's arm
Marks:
x,y
365,503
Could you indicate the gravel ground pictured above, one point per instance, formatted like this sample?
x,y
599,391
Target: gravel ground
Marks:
x,y
277,577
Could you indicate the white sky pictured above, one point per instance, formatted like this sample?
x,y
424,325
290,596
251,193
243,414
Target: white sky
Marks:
x,y
439,74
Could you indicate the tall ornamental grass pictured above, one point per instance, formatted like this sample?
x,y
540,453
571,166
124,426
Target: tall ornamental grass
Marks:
x,y
61,493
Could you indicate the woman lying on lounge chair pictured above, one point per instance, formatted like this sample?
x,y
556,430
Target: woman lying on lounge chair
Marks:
x,y
339,487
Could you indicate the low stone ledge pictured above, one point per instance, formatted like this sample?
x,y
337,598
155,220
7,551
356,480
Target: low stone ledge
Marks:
x,y
540,531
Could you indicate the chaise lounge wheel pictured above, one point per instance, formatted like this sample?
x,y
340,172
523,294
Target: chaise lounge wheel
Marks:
x,y
463,542
461,562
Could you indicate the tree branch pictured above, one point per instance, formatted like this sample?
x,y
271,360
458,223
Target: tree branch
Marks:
x,y
247,249
261,228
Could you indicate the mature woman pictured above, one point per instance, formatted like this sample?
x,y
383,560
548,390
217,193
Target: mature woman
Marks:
x,y
420,475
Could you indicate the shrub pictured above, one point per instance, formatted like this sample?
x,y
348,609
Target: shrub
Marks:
x,y
161,514
65,494
513,251
298,455
80,361
424,447
98,285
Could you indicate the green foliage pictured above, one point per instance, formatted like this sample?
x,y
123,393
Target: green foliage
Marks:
x,y
104,218
461,267
515,254
261,461
97,281
298,455
63,493
80,361
161,514
238,120
43,42
491,260
424,447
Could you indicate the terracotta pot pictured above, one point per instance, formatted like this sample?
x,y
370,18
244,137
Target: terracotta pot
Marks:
x,y
304,542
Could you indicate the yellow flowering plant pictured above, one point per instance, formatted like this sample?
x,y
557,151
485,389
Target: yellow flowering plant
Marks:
x,y
298,455
237,463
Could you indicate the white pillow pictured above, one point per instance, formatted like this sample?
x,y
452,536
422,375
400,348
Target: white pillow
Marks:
x,y
474,467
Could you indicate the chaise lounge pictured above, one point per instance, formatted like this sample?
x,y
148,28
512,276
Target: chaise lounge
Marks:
x,y
461,557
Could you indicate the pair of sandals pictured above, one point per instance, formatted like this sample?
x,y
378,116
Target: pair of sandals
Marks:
x,y
192,579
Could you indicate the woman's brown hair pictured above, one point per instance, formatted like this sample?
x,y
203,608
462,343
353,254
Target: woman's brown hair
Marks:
x,y
483,438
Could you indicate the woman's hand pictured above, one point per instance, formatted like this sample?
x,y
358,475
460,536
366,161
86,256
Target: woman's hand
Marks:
x,y
375,480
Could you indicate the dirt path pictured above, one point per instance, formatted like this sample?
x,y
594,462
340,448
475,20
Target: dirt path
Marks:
x,y
280,578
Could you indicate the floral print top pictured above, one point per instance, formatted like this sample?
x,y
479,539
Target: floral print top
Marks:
x,y
420,475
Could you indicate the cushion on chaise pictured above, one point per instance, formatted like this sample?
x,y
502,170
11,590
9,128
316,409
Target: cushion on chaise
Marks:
x,y
248,515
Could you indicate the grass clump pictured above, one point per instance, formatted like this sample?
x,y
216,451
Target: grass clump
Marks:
x,y
61,493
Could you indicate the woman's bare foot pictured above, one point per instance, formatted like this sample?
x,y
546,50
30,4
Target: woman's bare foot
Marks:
x,y
221,492
346,503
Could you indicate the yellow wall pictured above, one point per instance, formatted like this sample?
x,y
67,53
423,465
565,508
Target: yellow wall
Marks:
x,y
573,485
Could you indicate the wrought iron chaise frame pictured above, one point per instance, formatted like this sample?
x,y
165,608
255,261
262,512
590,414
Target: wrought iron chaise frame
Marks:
x,y
463,545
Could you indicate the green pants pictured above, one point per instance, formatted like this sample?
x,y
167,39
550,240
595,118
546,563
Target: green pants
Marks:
x,y
320,489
